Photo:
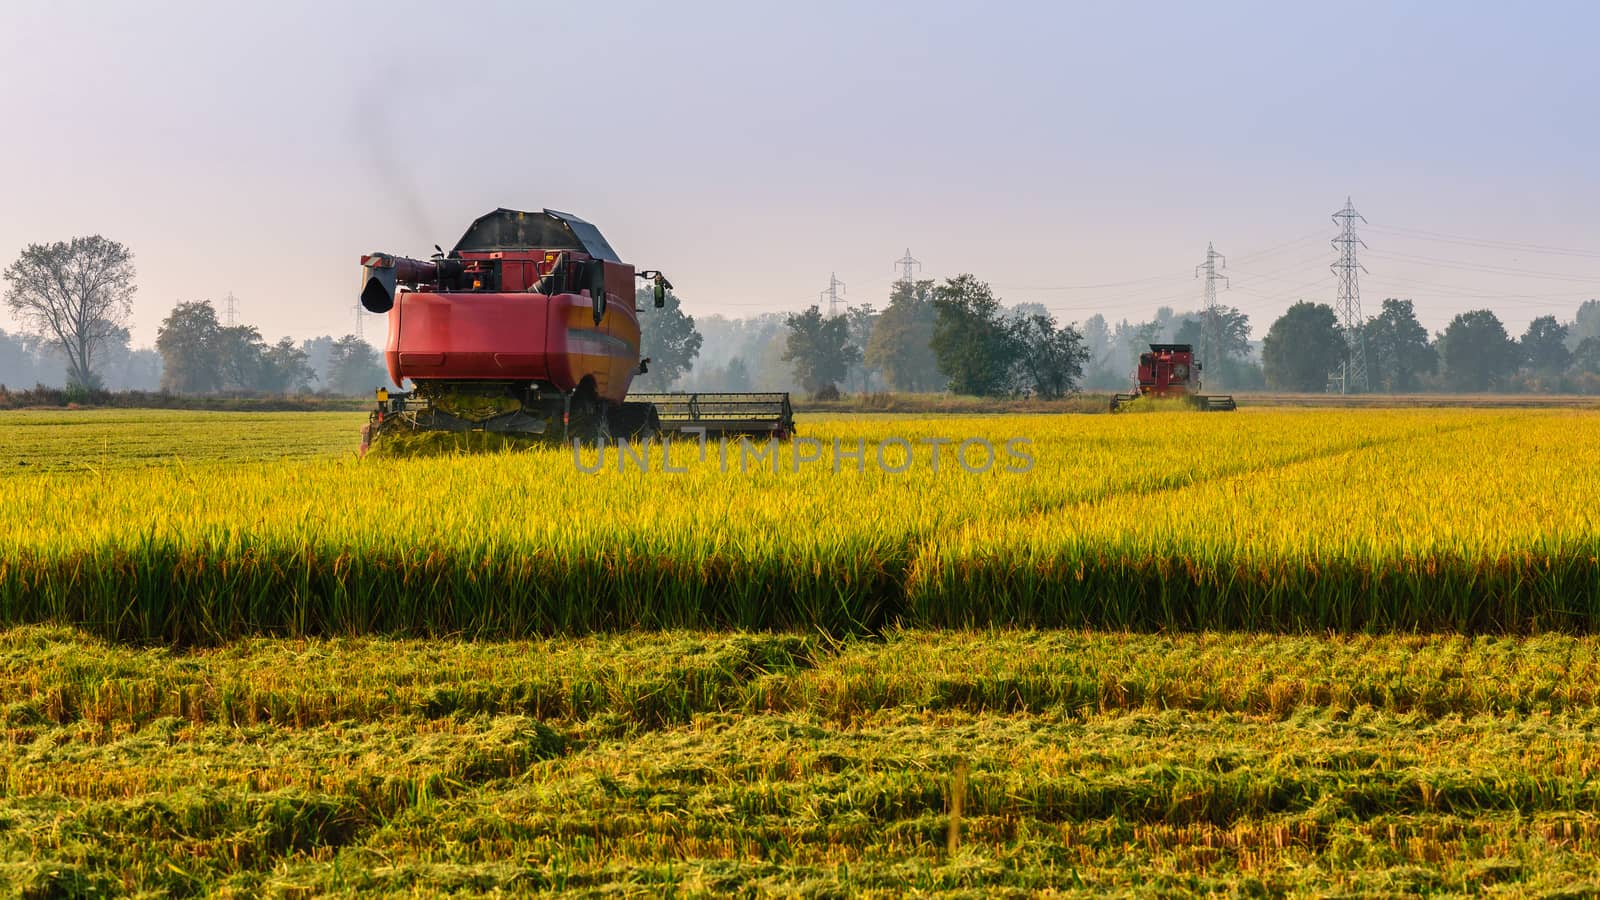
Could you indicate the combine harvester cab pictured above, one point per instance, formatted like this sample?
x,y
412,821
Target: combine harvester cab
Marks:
x,y
1169,371
528,327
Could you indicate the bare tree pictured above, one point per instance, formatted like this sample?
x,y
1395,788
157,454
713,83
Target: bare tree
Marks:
x,y
76,295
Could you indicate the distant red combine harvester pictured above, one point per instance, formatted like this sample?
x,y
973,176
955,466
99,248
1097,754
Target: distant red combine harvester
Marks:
x,y
1169,371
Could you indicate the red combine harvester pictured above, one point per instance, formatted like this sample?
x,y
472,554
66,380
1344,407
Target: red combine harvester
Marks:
x,y
527,326
1170,371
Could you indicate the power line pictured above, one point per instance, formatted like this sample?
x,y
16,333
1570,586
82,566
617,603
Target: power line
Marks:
x,y
1487,268
1298,268
1172,277
1353,373
1441,294
1313,236
1175,276
1442,237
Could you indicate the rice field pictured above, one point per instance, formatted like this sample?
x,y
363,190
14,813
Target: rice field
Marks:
x,y
201,528
1279,653
973,763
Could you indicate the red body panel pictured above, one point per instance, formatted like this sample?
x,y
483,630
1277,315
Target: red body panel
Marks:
x,y
1167,373
511,303
520,337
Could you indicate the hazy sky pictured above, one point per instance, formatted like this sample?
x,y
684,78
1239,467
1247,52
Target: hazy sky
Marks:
x,y
1076,155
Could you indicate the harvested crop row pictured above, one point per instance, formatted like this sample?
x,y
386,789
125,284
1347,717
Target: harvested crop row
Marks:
x,y
695,762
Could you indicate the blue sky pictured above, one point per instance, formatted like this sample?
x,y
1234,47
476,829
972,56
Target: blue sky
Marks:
x,y
750,149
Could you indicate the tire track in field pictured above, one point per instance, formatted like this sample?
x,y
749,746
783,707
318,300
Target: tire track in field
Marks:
x,y
1182,481
895,599
926,551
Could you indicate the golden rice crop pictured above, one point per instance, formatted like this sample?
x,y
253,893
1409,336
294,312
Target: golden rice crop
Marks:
x,y
1286,519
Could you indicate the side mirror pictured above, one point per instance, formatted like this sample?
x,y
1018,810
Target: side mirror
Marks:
x,y
659,285
597,289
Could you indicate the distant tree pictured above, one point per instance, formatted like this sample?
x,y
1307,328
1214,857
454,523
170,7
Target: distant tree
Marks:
x,y
1106,368
1544,347
736,376
769,371
1048,360
759,342
971,339
319,353
190,347
668,339
1476,351
819,349
1133,339
862,319
1398,352
1303,346
1232,333
1235,375
241,356
1586,324
1023,311
1229,329
18,368
123,367
75,294
899,346
1160,328
286,369
1096,333
354,368
1586,359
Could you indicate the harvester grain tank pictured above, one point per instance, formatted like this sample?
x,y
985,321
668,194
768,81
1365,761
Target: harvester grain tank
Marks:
x,y
528,326
1170,371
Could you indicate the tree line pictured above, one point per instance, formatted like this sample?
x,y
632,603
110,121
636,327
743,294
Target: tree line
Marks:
x,y
75,299
953,335
1473,353
200,355
956,336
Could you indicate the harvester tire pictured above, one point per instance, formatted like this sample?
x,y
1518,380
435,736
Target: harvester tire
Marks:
x,y
589,422
636,422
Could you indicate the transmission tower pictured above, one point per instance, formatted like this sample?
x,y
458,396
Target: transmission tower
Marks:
x,y
1353,374
360,333
1210,326
908,267
835,288
230,305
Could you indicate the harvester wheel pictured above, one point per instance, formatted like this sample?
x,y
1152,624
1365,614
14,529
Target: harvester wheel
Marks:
x,y
636,422
588,421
